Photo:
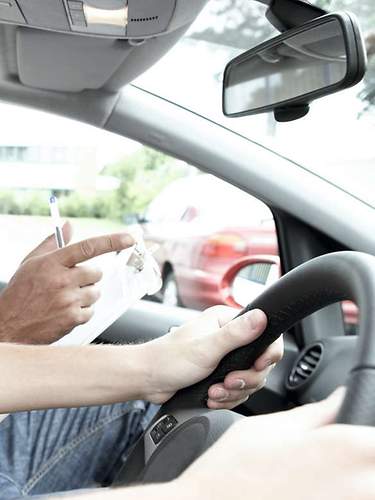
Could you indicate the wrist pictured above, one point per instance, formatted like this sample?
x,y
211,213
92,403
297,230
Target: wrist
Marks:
x,y
130,367
157,358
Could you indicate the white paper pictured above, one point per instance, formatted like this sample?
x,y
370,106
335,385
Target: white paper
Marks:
x,y
121,286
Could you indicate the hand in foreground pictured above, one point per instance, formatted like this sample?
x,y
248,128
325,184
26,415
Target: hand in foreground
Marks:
x,y
292,455
49,294
190,353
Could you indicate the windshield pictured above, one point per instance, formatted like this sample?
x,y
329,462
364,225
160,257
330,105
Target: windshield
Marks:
x,y
335,140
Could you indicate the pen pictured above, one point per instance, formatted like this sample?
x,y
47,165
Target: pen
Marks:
x,y
55,214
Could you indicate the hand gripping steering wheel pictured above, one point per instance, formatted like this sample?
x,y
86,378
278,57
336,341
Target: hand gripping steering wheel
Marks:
x,y
184,427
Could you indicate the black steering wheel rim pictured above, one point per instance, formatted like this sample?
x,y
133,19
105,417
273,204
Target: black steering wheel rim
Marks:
x,y
317,283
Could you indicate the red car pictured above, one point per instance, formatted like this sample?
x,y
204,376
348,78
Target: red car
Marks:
x,y
200,227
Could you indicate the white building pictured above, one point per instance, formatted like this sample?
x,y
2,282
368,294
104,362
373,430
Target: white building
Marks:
x,y
42,151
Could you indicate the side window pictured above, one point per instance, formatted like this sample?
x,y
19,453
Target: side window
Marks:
x,y
168,206
220,226
199,225
102,181
157,210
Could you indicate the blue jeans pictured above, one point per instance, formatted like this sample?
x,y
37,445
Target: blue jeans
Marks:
x,y
61,450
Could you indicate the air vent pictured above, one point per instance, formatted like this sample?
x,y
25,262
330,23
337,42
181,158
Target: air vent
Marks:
x,y
306,366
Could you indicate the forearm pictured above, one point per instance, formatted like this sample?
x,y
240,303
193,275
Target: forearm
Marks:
x,y
38,377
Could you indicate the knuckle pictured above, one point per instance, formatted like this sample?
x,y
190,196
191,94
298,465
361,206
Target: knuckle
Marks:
x,y
110,243
67,300
62,280
87,248
86,314
257,383
74,316
93,295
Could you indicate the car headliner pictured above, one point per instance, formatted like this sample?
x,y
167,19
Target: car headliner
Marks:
x,y
52,60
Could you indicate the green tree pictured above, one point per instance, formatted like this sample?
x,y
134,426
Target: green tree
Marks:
x,y
142,176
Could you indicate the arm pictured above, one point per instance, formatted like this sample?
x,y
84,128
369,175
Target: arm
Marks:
x,y
51,293
40,377
35,377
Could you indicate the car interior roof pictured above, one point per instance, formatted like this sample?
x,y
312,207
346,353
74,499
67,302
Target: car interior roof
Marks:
x,y
40,54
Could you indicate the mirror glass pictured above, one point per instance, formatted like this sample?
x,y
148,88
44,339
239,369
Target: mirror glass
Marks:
x,y
251,280
302,63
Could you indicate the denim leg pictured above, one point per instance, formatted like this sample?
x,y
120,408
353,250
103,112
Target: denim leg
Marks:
x,y
66,449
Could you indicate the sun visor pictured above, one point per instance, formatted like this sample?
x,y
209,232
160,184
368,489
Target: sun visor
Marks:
x,y
93,44
67,63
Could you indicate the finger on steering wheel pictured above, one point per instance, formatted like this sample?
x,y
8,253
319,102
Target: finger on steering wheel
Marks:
x,y
251,382
242,384
252,377
272,355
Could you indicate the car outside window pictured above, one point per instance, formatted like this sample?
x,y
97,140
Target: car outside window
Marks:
x,y
104,183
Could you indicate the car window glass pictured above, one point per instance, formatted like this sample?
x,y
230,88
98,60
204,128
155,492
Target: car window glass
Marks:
x,y
341,124
198,225
170,205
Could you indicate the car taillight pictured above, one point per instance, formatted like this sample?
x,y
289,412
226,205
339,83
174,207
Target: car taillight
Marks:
x,y
225,245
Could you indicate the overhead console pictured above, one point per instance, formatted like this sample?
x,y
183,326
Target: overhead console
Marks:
x,y
78,45
129,19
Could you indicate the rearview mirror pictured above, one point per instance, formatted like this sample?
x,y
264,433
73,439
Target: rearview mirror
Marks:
x,y
288,72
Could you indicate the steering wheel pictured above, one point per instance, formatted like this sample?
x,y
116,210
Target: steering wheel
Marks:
x,y
184,427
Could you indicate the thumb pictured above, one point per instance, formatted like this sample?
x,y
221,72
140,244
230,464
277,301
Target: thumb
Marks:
x,y
49,244
237,333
